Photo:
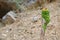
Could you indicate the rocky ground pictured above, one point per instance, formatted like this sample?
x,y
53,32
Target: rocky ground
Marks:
x,y
27,28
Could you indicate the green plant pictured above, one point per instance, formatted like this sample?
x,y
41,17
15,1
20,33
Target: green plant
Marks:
x,y
46,17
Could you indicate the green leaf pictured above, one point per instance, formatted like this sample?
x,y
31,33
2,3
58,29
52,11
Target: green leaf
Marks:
x,y
44,27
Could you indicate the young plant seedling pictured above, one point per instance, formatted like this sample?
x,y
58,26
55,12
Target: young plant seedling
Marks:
x,y
46,17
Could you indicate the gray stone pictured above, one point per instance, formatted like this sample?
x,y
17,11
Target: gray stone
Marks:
x,y
35,19
9,18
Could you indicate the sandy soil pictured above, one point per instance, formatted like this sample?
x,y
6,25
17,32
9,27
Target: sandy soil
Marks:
x,y
26,29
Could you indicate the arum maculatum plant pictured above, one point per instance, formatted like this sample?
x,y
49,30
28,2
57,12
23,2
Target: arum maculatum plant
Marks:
x,y
46,17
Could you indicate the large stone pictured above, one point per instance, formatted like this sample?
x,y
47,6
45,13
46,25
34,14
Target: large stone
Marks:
x,y
9,18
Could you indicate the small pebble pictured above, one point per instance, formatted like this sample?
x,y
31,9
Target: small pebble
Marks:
x,y
35,19
4,35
